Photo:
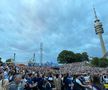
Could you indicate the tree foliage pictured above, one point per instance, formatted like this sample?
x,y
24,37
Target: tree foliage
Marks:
x,y
99,62
95,61
65,56
69,57
9,60
1,60
85,56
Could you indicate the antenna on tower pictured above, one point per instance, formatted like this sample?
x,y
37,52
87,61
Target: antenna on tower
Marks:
x,y
41,53
95,13
34,57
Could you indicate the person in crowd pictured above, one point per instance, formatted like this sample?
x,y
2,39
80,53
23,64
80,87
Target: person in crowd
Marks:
x,y
51,80
57,82
6,73
68,82
3,82
16,84
47,85
29,82
40,81
11,76
35,81
96,85
64,82
23,81
79,83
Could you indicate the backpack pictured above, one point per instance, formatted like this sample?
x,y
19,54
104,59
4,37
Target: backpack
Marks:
x,y
77,86
48,86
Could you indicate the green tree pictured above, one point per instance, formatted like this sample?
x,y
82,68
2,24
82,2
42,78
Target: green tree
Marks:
x,y
66,57
85,56
99,62
79,57
1,60
95,61
103,62
9,60
69,57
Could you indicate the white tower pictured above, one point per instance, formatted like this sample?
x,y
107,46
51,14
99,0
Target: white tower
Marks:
x,y
99,30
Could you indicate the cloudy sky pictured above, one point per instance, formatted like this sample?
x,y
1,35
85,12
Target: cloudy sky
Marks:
x,y
59,24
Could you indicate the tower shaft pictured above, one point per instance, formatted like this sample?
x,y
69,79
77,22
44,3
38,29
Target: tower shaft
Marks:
x,y
102,44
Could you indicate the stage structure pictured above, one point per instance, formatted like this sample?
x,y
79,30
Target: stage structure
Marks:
x,y
41,53
32,61
14,58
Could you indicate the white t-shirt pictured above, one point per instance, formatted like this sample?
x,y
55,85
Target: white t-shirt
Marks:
x,y
6,75
87,78
78,81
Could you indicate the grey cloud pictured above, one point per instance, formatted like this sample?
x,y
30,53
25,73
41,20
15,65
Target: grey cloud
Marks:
x,y
62,24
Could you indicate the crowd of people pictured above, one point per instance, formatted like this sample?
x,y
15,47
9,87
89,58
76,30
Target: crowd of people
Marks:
x,y
14,77
82,67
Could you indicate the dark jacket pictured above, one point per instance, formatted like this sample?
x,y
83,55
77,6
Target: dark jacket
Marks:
x,y
78,86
